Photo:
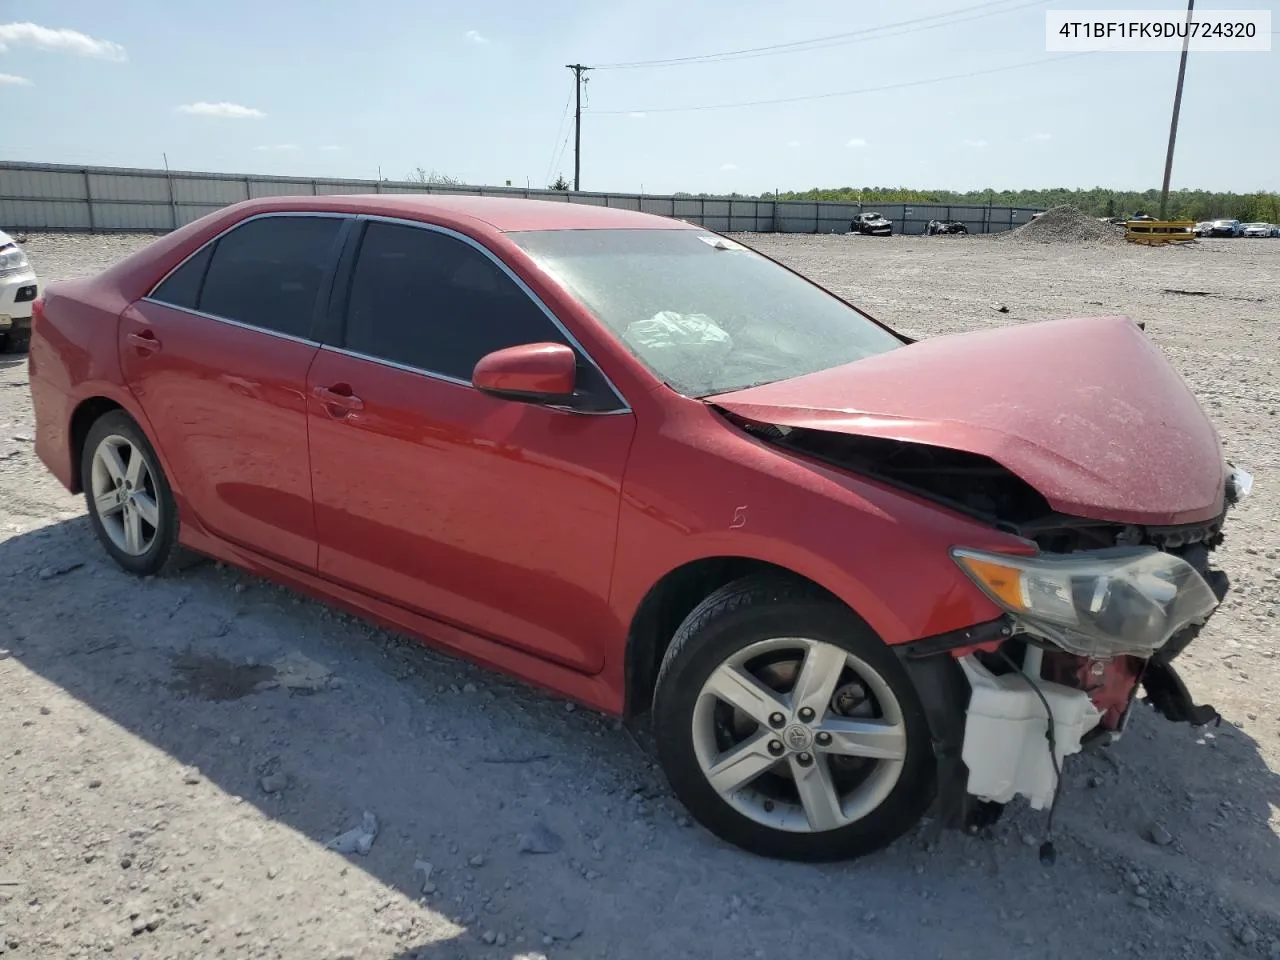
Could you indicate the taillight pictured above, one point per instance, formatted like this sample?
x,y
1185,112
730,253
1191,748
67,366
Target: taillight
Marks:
x,y
37,312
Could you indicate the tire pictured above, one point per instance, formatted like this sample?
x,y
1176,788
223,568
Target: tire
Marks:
x,y
146,495
760,627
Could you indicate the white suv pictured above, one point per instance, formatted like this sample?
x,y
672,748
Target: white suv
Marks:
x,y
18,291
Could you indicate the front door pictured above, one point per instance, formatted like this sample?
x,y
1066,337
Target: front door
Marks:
x,y
494,515
217,356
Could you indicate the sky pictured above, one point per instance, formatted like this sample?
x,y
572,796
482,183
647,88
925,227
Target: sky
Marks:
x,y
479,91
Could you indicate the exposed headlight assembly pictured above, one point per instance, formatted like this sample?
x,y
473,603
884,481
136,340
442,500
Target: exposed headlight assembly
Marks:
x,y
1097,603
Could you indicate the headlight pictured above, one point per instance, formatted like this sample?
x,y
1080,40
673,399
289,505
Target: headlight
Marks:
x,y
12,260
1100,603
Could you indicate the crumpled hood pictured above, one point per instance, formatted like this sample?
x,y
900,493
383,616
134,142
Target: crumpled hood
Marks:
x,y
1086,410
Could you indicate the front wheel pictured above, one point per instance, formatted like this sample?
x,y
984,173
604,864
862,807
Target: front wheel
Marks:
x,y
788,728
130,504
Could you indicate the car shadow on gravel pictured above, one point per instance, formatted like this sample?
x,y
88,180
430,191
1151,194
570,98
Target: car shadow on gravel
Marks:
x,y
546,827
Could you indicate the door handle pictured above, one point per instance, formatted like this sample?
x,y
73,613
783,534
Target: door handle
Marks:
x,y
340,396
145,341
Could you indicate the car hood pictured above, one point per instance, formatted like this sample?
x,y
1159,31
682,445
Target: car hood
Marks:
x,y
1086,410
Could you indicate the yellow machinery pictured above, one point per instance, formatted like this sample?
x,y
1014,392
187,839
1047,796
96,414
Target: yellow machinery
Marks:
x,y
1159,231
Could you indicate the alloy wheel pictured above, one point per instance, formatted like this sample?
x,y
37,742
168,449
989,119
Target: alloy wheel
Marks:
x,y
799,735
124,495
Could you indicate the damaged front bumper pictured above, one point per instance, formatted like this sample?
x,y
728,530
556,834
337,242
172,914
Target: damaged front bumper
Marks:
x,y
1081,633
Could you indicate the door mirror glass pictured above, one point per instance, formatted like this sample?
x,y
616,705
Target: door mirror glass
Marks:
x,y
531,371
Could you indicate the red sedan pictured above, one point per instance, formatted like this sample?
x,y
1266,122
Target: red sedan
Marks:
x,y
653,470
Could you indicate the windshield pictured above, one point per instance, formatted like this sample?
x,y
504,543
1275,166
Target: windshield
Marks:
x,y
705,314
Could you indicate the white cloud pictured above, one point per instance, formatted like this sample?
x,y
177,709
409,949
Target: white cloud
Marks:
x,y
62,40
11,80
728,166
974,143
637,115
233,110
793,143
1041,136
277,147
330,148
475,36
856,142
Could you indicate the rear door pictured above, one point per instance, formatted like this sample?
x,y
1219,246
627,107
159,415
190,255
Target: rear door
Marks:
x,y
494,515
217,355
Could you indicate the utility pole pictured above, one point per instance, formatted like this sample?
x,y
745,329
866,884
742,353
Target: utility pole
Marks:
x,y
1177,106
578,70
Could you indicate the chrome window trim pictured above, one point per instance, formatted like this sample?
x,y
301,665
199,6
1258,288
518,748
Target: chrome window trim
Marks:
x,y
455,381
524,287
233,323
625,407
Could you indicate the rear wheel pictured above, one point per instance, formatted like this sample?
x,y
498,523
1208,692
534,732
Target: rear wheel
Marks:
x,y
131,507
788,728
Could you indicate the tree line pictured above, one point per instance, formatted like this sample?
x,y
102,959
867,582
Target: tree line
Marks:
x,y
1097,201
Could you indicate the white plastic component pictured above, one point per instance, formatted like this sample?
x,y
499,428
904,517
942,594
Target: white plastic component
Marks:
x,y
1005,747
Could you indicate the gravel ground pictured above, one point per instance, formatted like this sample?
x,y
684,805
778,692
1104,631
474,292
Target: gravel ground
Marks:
x,y
176,753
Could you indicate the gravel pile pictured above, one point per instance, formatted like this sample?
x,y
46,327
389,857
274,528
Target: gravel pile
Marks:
x,y
1065,224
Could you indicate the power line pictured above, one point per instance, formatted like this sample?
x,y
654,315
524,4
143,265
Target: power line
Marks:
x,y
564,115
564,145
847,93
831,40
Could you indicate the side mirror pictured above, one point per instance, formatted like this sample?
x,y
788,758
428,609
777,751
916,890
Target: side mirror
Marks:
x,y
531,371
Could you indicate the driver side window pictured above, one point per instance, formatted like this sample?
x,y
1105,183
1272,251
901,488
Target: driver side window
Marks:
x,y
430,301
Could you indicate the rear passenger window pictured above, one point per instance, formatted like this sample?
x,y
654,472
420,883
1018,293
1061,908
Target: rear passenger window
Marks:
x,y
267,272
430,301
182,287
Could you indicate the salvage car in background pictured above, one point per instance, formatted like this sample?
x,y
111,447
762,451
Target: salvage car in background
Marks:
x,y
1257,230
19,288
1225,228
871,224
642,465
934,227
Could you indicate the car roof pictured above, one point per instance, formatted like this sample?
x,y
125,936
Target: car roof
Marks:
x,y
504,214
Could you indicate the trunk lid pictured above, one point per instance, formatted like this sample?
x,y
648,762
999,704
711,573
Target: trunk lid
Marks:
x,y
1086,410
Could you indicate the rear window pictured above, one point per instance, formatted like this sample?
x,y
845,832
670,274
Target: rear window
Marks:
x,y
182,287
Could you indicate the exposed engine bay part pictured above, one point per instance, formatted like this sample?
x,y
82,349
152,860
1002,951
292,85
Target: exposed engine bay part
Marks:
x,y
1110,684
1004,745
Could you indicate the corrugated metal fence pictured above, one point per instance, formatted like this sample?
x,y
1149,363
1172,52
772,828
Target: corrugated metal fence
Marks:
x,y
45,196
